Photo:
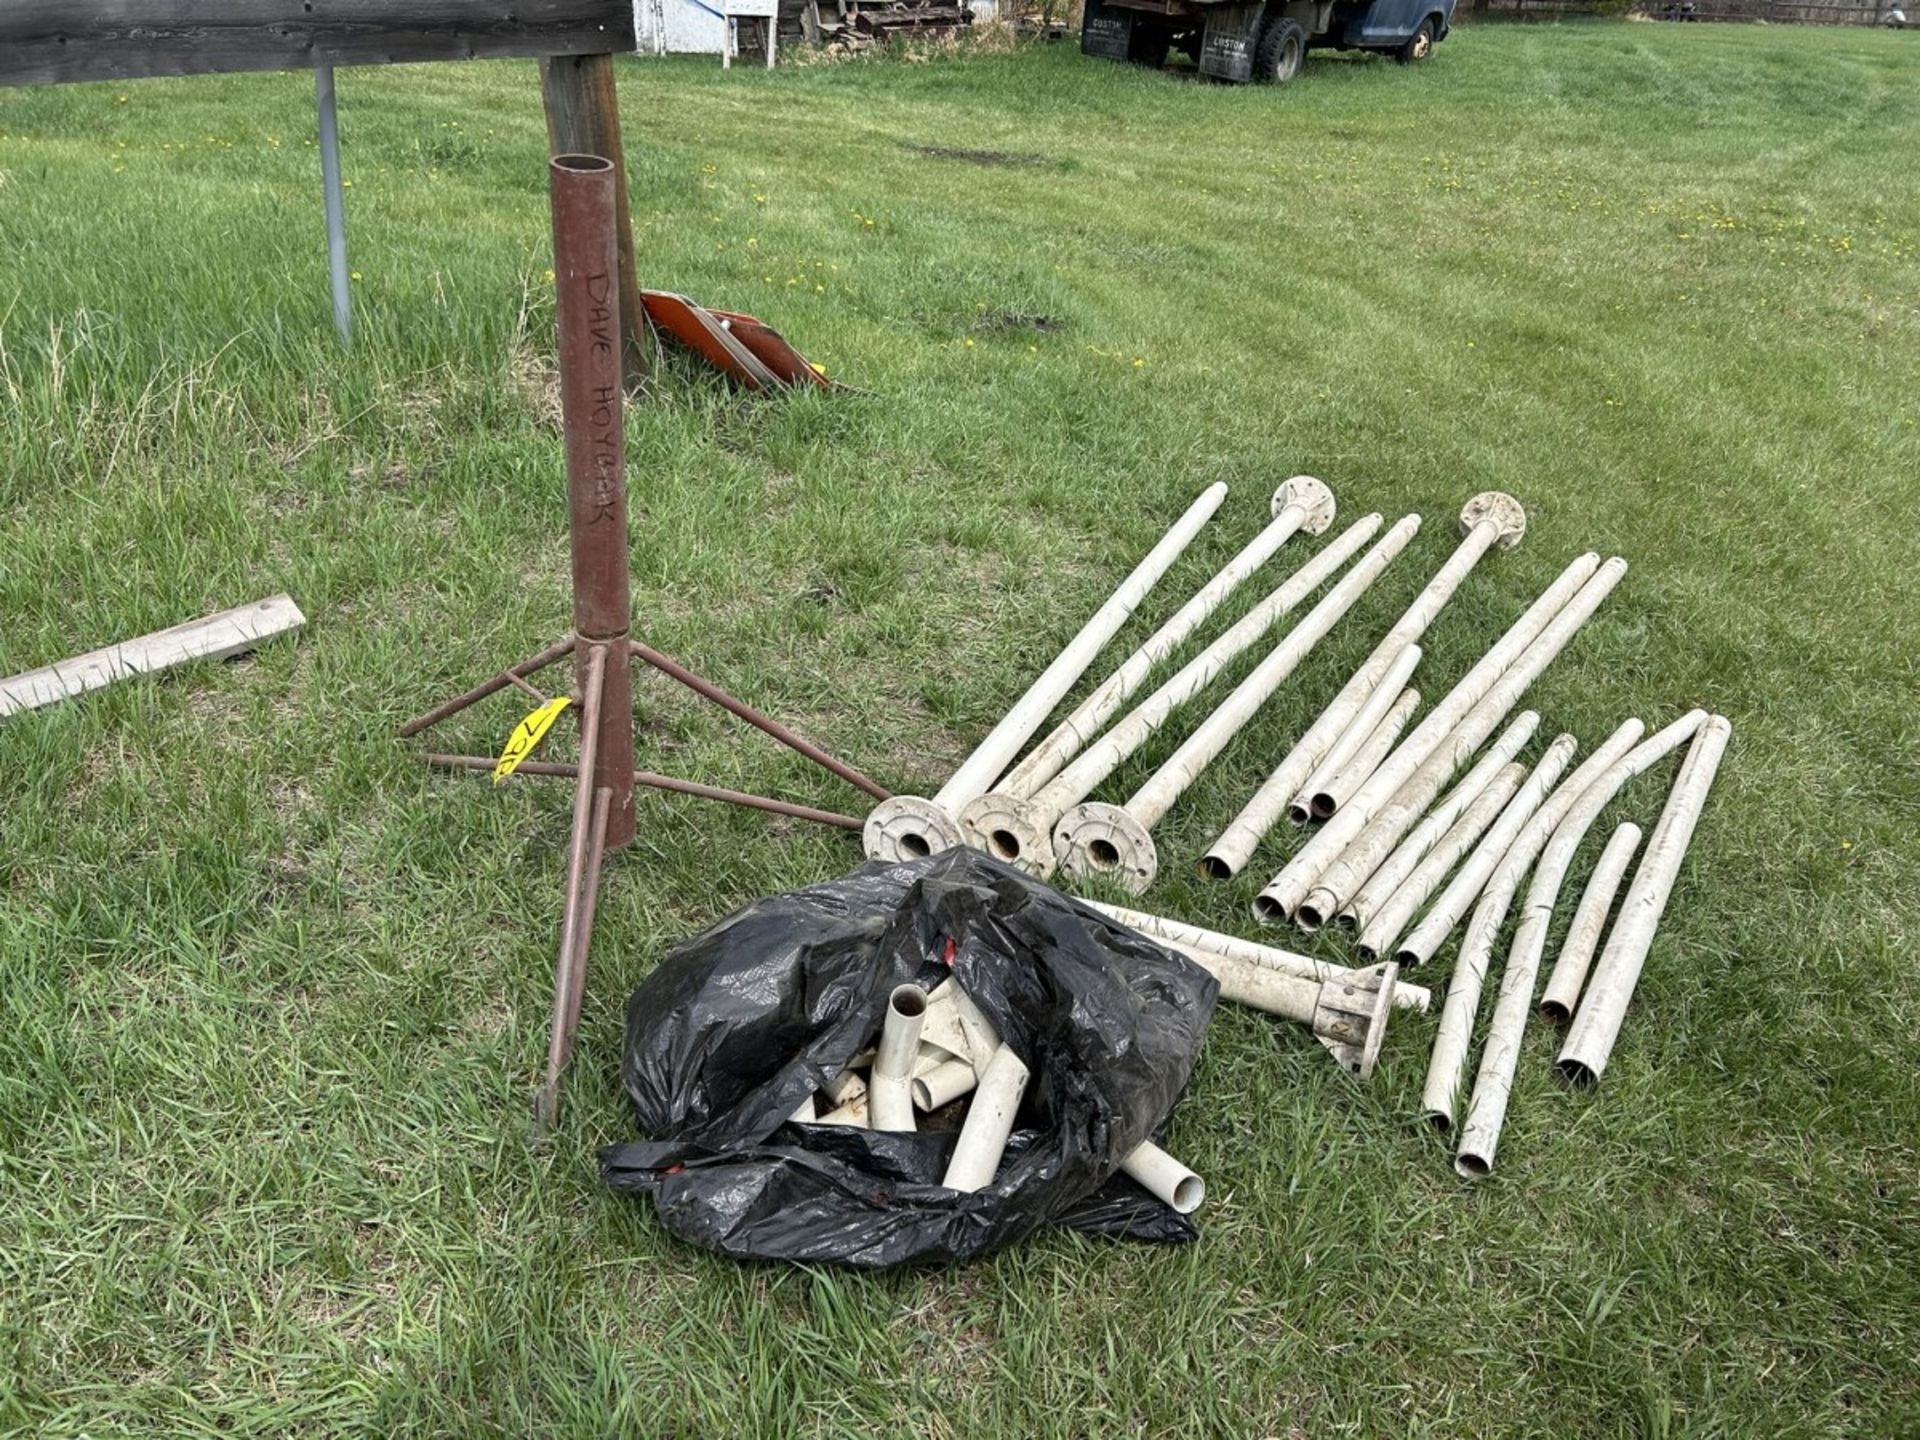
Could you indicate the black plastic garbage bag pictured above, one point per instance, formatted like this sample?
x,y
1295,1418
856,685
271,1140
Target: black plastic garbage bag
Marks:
x,y
741,1024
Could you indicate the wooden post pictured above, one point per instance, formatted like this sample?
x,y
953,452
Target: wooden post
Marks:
x,y
583,118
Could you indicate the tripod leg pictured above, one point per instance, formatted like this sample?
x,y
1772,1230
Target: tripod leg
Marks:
x,y
512,675
582,851
589,908
766,724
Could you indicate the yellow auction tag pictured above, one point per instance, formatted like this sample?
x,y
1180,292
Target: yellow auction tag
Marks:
x,y
527,736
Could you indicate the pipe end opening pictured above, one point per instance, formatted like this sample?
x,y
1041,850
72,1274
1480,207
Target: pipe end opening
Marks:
x,y
1347,920
1188,1194
1299,814
922,1096
582,164
1104,854
915,846
1580,1073
907,1001
1554,1011
1366,952
1004,844
1308,916
1267,908
1471,1166
1213,867
1323,805
1441,1122
1406,958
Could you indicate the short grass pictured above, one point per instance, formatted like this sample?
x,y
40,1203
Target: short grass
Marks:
x,y
272,999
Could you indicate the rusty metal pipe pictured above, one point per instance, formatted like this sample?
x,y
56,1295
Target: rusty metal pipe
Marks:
x,y
559,1033
744,799
587,311
673,669
589,908
488,687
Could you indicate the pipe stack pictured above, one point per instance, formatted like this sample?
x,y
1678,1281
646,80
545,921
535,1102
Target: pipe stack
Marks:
x,y
1416,820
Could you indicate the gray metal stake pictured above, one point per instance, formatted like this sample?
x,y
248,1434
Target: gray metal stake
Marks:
x,y
336,201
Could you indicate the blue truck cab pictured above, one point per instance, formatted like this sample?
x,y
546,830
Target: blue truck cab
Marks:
x,y
1262,41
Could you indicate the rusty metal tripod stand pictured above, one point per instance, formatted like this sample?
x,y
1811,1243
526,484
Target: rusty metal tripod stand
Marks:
x,y
587,310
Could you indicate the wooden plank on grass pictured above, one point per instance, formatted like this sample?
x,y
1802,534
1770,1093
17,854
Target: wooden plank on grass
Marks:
x,y
50,42
231,632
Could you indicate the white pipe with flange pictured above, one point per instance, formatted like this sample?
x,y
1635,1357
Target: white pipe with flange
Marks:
x,y
889,1096
1500,1054
1382,885
1447,1069
983,1137
1016,830
1164,1177
1347,1014
1589,1045
1365,720
1301,504
908,826
1358,860
1364,761
1588,925
1283,894
1489,519
1179,934
1099,839
1377,939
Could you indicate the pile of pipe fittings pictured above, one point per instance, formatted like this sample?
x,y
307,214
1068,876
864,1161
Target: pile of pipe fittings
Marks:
x,y
1404,851
937,1057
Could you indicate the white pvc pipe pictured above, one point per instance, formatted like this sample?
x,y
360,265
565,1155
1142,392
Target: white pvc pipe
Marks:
x,y
1447,1069
1382,885
1365,720
1500,1056
1487,519
1589,1044
1016,830
1302,503
942,1085
889,1099
1256,986
854,1112
1164,1177
1099,839
1530,939
1457,898
908,827
1377,939
845,1087
983,1138
982,1039
1179,932
1588,925
1286,890
1358,860
1364,761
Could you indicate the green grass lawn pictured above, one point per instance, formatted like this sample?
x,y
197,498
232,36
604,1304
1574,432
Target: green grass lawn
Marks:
x,y
272,999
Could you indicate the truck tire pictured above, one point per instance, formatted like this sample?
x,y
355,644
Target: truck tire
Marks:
x,y
1277,56
1147,45
1419,44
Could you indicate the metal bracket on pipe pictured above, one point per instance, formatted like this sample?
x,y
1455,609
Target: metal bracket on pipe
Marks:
x,y
1350,1016
1503,510
1310,495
